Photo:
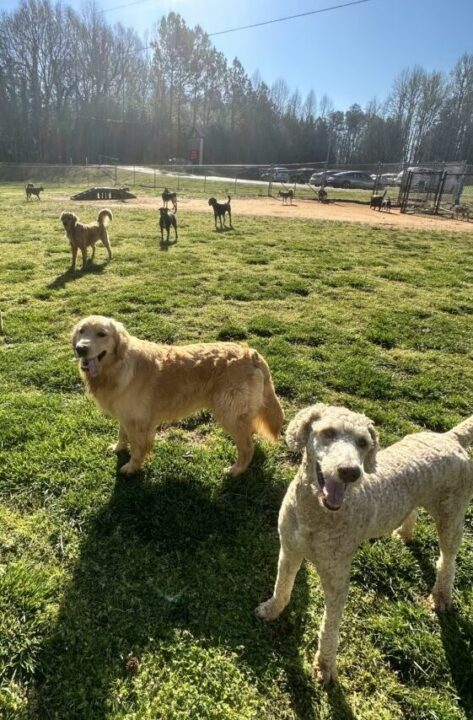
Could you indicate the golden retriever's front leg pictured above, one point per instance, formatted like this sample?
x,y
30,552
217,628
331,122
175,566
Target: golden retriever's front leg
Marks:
x,y
84,256
141,440
121,444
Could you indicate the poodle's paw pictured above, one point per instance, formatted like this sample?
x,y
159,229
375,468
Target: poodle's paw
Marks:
x,y
440,602
325,671
268,610
129,468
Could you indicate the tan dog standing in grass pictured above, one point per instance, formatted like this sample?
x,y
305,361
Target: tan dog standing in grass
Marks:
x,y
143,384
82,236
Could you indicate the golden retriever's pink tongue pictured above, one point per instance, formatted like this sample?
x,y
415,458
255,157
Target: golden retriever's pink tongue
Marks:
x,y
93,367
334,493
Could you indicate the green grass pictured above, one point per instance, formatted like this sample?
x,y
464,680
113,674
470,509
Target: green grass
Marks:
x,y
167,567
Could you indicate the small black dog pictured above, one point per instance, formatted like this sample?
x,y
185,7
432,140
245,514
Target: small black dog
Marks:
x,y
286,195
220,209
166,219
376,201
32,190
169,196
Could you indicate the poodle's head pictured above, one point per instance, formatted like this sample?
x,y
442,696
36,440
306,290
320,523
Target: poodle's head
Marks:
x,y
98,342
69,220
340,445
212,201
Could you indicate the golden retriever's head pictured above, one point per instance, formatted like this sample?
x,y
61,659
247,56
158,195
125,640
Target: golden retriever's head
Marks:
x,y
98,341
69,220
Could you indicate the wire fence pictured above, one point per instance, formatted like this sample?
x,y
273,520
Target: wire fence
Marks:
x,y
343,183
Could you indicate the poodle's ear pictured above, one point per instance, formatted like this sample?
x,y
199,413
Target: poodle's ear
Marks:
x,y
122,339
298,429
370,459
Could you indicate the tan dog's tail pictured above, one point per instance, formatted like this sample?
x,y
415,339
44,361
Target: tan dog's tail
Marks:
x,y
270,418
463,432
105,217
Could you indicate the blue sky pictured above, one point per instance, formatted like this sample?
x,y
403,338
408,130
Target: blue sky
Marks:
x,y
352,54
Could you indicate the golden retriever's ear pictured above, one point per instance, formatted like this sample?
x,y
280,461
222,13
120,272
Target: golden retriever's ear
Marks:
x,y
370,459
122,339
298,429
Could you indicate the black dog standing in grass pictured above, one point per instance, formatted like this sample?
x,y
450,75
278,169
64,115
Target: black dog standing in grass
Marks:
x,y
220,210
166,219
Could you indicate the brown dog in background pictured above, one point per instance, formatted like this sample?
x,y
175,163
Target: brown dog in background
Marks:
x,y
220,210
166,219
143,384
30,190
169,196
82,236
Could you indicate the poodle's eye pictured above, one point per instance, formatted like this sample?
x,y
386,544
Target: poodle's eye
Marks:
x,y
362,442
81,331
328,434
101,334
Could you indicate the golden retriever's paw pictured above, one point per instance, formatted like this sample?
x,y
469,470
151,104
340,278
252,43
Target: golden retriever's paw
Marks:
x,y
116,448
268,610
325,672
129,468
234,470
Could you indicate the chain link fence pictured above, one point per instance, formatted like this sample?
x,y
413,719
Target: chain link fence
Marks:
x,y
431,188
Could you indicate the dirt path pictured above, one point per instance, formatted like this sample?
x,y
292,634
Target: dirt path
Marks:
x,y
310,209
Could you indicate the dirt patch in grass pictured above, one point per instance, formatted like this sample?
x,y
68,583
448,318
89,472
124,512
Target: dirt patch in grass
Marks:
x,y
301,208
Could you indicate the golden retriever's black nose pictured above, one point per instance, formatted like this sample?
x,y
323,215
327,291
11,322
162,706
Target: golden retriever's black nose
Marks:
x,y
81,350
349,473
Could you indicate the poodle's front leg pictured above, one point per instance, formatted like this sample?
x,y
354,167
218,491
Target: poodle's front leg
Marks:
x,y
288,565
335,585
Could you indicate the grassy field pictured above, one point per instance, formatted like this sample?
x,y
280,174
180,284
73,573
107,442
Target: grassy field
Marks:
x,y
167,567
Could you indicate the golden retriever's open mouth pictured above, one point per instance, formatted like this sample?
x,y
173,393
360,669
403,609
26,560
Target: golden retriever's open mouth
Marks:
x,y
91,365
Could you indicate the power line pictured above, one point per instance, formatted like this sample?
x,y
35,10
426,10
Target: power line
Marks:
x,y
121,7
289,17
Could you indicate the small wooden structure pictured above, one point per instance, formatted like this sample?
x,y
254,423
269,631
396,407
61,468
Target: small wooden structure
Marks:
x,y
104,193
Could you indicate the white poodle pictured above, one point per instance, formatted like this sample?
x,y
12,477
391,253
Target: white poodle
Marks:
x,y
331,506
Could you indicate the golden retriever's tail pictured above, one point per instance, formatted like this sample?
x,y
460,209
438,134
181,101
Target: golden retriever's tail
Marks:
x,y
105,217
463,432
270,417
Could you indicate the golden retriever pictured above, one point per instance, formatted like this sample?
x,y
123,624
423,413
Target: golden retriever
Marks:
x,y
83,236
143,384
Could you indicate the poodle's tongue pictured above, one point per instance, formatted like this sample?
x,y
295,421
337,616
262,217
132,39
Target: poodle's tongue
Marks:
x,y
93,367
333,494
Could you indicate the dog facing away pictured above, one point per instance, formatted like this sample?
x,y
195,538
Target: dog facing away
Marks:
x,y
331,506
82,236
286,195
376,201
32,190
143,384
165,222
220,210
169,196
461,211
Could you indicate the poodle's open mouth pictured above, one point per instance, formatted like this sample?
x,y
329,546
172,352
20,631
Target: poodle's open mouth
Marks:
x,y
333,491
91,365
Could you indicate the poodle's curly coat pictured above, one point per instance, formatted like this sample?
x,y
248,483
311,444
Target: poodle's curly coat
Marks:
x,y
326,514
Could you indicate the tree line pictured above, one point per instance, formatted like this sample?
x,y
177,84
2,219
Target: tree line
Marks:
x,y
74,87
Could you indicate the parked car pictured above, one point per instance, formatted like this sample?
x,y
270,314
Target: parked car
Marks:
x,y
276,174
301,175
403,174
318,177
387,179
351,179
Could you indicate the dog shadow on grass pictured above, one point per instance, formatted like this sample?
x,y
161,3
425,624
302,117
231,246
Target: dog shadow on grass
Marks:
x,y
456,632
166,244
167,558
70,275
